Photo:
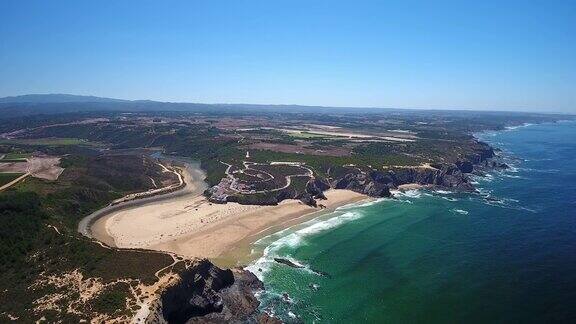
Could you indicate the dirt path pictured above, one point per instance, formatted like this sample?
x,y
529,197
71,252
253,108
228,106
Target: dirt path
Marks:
x,y
13,182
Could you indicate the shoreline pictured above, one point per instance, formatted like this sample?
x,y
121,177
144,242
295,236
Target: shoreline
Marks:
x,y
89,225
187,224
241,253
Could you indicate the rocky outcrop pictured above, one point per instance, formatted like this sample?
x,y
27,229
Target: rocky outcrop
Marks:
x,y
308,199
377,183
316,187
482,152
465,166
443,175
207,294
372,184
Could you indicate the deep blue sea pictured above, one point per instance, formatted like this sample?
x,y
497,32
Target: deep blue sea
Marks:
x,y
506,254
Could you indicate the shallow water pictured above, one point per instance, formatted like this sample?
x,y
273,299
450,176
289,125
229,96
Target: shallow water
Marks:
x,y
507,254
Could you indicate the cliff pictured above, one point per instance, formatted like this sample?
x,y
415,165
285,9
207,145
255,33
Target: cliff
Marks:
x,y
452,174
205,293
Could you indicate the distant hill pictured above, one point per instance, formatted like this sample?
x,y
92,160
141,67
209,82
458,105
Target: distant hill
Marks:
x,y
56,98
42,104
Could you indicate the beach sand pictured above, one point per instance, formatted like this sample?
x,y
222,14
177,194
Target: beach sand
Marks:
x,y
195,227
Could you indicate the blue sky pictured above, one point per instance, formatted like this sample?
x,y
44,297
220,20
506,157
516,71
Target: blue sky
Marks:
x,y
509,55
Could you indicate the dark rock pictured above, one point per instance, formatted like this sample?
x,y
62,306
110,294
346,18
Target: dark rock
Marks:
x,y
375,189
297,266
441,175
308,200
316,186
288,263
465,166
196,292
267,319
503,165
381,177
208,294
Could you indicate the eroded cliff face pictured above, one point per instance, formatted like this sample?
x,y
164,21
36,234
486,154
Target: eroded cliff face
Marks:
x,y
205,293
453,175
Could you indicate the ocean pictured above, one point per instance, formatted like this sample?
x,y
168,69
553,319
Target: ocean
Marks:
x,y
505,254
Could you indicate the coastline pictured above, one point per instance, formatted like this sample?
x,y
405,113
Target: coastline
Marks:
x,y
283,216
462,242
184,222
90,225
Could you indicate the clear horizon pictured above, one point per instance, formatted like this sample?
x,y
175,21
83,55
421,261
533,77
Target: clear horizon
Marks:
x,y
513,56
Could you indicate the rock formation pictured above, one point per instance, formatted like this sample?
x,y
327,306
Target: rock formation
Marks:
x,y
207,294
377,183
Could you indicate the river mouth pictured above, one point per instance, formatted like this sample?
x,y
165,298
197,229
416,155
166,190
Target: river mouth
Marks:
x,y
96,224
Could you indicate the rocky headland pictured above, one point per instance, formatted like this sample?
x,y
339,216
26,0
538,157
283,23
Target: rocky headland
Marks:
x,y
453,174
204,293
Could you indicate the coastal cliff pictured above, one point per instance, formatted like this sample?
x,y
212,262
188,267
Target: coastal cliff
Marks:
x,y
452,174
204,293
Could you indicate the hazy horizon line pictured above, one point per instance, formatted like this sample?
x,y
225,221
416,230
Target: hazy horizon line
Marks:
x,y
504,110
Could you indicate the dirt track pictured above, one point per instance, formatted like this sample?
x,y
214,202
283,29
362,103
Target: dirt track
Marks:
x,y
42,167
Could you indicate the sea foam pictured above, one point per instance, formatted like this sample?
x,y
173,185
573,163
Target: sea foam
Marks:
x,y
261,266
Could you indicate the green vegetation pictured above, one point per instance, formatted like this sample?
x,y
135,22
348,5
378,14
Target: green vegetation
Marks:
x,y
112,300
20,218
30,245
8,177
299,183
16,156
46,141
321,164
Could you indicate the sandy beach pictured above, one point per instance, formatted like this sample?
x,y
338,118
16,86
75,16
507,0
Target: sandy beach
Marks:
x,y
191,226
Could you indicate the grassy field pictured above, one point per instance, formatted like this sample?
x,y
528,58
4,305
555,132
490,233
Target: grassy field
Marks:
x,y
7,177
47,141
16,156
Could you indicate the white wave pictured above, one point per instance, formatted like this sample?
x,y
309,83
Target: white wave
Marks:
x,y
329,223
414,193
362,204
512,168
486,178
512,176
443,192
484,191
461,211
449,199
509,128
261,266
503,204
540,170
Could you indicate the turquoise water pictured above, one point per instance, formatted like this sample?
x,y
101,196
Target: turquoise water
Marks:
x,y
507,254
